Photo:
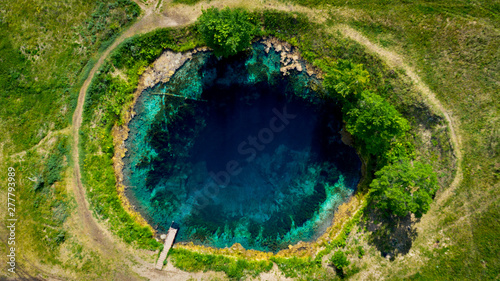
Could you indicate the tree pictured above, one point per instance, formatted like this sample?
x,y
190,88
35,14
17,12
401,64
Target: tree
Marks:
x,y
367,115
340,261
226,31
375,122
346,80
404,187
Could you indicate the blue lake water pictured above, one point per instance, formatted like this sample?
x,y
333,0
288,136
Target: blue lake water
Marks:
x,y
235,152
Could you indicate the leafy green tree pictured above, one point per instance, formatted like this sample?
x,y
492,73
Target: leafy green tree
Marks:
x,y
404,187
368,116
340,261
346,80
226,31
375,122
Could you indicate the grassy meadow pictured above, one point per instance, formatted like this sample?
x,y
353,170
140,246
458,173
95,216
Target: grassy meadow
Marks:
x,y
46,51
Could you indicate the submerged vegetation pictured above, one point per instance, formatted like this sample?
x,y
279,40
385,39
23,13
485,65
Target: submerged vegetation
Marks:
x,y
103,97
283,189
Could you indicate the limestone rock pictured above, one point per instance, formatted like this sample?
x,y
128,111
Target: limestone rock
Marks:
x,y
289,56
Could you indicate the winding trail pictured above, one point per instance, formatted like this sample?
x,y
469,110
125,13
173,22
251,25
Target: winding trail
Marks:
x,y
101,237
152,20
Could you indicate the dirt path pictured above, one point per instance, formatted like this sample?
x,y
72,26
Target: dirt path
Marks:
x,y
101,237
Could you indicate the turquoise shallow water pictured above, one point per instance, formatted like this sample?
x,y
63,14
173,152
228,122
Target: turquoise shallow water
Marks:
x,y
239,153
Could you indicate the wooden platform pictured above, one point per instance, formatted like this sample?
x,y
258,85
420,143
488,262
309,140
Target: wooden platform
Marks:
x,y
169,241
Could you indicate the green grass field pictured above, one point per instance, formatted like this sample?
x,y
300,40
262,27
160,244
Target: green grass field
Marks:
x,y
46,51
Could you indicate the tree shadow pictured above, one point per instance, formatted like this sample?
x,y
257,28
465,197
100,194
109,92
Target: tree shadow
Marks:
x,y
338,271
391,235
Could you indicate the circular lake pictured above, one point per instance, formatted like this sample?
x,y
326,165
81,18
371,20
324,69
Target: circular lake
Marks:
x,y
234,151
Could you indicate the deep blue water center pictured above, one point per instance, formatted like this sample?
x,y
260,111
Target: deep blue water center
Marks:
x,y
235,152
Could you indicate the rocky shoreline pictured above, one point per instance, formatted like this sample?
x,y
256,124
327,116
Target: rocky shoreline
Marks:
x,y
290,57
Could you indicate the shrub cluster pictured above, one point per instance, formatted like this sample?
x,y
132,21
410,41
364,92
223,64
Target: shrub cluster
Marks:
x,y
402,185
226,31
339,261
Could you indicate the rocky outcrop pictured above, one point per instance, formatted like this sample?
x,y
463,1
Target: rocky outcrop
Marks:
x,y
290,56
164,67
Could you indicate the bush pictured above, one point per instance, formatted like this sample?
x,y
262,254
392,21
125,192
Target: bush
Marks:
x,y
404,187
340,261
346,79
375,122
227,31
361,251
371,119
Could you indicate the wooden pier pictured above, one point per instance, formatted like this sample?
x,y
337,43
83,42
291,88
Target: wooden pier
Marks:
x,y
169,241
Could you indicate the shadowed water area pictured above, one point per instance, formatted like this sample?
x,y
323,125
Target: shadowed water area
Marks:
x,y
235,152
